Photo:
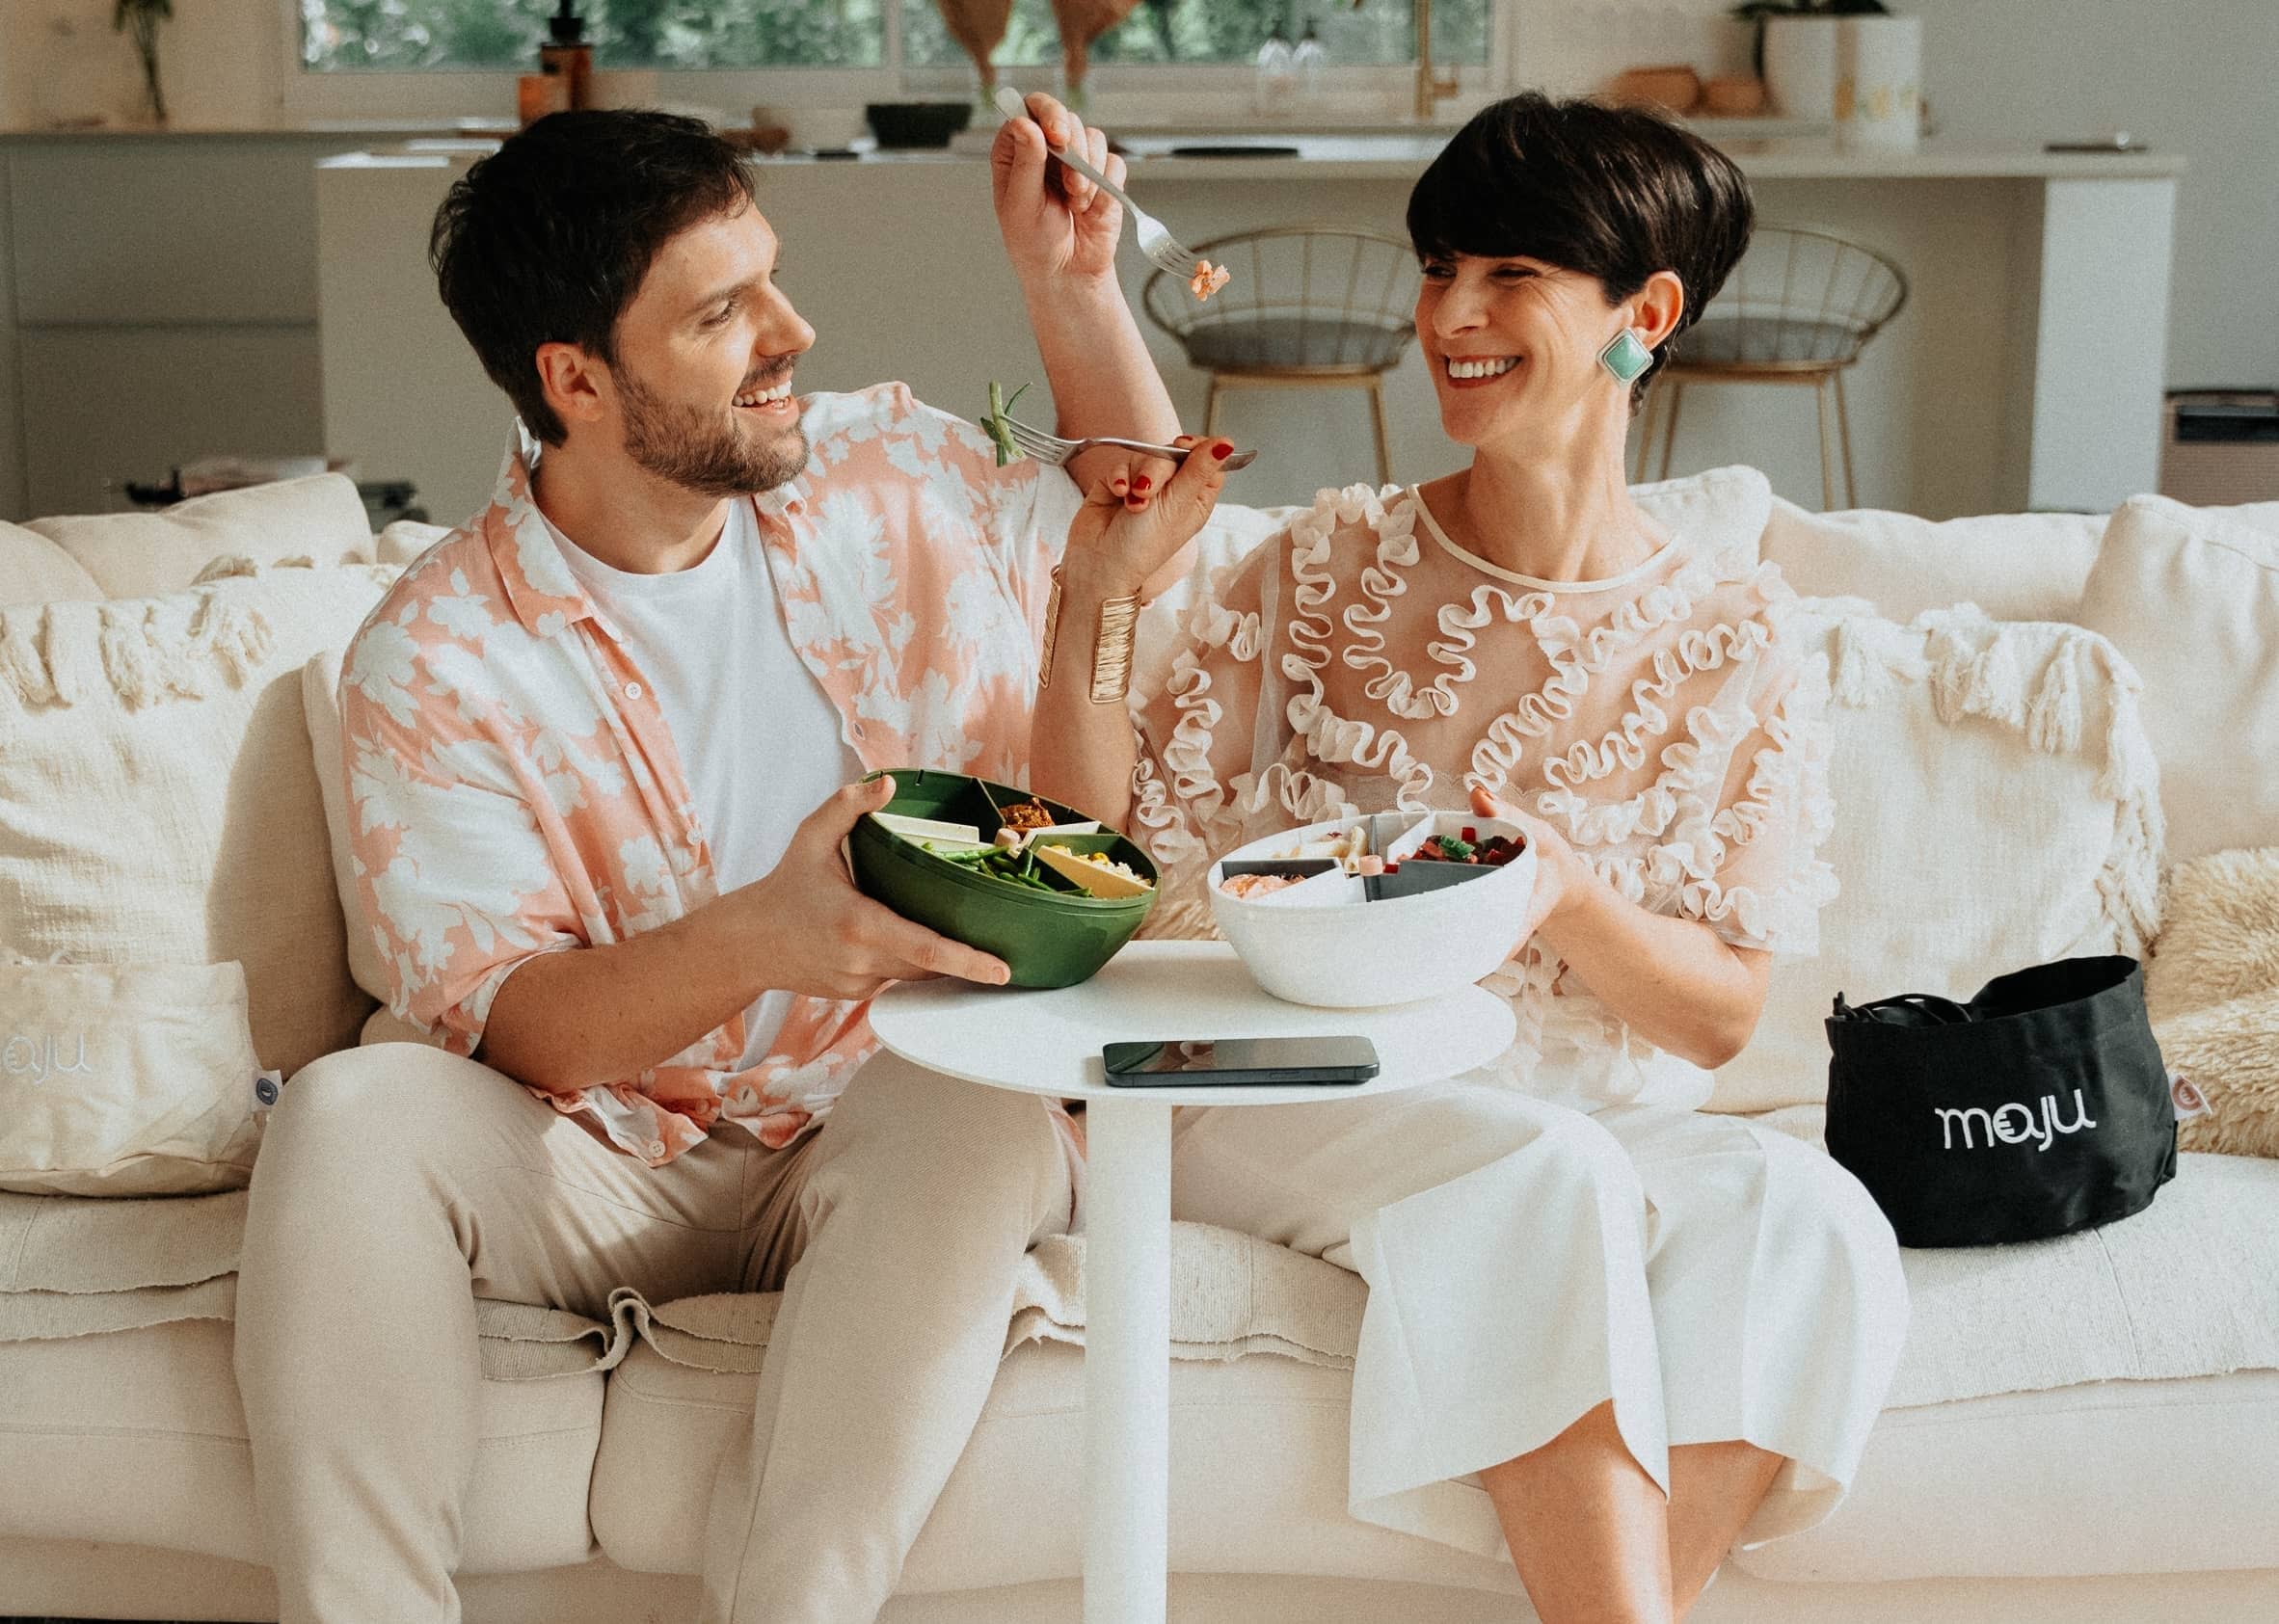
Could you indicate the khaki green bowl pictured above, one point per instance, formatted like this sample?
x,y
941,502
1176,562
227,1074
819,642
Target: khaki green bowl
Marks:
x,y
1046,940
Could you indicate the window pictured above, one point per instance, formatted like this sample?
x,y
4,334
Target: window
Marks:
x,y
1376,33
351,36
429,35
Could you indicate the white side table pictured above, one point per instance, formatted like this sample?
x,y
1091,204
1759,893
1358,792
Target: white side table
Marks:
x,y
1049,1043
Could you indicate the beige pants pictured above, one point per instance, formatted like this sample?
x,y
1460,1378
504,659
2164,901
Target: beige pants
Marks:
x,y
394,1179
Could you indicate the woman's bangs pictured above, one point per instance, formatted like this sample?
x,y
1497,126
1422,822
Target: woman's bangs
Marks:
x,y
1468,202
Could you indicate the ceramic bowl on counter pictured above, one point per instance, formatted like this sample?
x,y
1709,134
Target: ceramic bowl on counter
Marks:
x,y
930,854
1327,934
917,125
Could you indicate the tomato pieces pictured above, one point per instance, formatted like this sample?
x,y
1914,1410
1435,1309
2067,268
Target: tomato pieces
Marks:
x,y
1492,853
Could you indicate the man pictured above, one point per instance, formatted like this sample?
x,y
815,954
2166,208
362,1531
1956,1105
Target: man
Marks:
x,y
604,745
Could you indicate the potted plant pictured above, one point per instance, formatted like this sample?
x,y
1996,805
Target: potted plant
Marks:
x,y
140,20
1796,51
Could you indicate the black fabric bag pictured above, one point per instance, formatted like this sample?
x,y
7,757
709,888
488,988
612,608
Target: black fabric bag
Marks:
x,y
2038,1109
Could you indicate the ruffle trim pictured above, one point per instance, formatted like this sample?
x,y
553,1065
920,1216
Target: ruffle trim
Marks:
x,y
1382,582
1576,657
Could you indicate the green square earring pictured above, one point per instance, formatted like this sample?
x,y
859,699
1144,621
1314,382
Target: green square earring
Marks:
x,y
1624,357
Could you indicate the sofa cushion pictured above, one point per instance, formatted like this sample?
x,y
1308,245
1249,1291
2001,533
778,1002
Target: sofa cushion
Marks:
x,y
34,570
2158,1305
2115,1476
320,518
2191,596
2016,567
118,1413
2133,1319
320,705
1718,511
1258,1476
138,1435
157,801
1995,807
405,540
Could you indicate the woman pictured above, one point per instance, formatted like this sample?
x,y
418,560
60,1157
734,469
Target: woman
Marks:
x,y
1605,1332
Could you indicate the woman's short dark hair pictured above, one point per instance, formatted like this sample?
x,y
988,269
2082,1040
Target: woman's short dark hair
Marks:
x,y
1611,192
547,240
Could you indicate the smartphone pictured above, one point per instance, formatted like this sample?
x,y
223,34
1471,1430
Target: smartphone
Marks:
x,y
1201,1062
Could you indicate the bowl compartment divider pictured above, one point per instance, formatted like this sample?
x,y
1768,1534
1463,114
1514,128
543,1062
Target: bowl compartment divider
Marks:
x,y
1414,879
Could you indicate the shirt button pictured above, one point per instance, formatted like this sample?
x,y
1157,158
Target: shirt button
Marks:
x,y
632,690
656,1147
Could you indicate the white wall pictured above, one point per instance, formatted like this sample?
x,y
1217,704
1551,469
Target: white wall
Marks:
x,y
2194,76
2199,77
219,60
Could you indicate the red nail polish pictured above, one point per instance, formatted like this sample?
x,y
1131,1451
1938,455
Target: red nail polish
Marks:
x,y
1143,482
1223,450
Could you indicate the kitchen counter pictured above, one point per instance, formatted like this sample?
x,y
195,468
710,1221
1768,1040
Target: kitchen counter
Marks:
x,y
1373,157
338,131
2025,370
1399,156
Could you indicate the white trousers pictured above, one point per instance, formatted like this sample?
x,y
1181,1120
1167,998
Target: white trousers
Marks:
x,y
1527,1263
397,1184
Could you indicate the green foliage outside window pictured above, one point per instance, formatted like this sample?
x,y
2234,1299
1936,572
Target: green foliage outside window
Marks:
x,y
339,35
1204,31
350,35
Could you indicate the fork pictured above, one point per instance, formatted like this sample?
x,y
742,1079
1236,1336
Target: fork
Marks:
x,y
1058,452
1162,249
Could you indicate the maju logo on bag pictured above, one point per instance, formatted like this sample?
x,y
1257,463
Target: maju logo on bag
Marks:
x,y
2012,1124
41,1056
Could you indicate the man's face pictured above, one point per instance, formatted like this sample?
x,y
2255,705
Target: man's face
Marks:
x,y
704,354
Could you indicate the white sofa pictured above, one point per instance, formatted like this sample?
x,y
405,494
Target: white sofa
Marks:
x,y
2082,1429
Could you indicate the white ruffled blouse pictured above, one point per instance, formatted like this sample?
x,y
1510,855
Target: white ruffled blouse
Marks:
x,y
1361,661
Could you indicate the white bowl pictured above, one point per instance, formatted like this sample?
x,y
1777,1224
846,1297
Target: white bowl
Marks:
x,y
1320,942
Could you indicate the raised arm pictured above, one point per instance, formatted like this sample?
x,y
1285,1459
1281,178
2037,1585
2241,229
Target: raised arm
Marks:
x,y
1083,748
1061,233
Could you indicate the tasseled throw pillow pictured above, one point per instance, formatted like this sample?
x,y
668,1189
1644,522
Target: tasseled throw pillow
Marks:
x,y
1997,806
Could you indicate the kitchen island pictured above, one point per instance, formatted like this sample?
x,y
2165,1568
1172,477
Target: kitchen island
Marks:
x,y
2026,371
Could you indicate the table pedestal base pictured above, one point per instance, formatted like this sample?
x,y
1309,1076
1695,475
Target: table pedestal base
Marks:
x,y
1127,1374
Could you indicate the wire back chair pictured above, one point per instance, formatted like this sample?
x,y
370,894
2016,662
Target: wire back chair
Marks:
x,y
1309,307
1798,308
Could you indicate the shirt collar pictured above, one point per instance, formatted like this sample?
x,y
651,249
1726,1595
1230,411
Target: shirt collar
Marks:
x,y
541,588
544,591
788,497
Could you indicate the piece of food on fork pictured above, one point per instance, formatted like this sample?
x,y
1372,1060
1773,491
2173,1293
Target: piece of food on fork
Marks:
x,y
1208,279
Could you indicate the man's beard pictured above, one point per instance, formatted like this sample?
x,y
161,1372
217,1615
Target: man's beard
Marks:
x,y
699,450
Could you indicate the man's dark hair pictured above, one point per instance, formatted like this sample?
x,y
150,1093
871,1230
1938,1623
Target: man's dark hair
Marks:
x,y
1614,193
547,240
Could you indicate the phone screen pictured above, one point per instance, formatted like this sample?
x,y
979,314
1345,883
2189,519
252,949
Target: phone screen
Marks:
x,y
1193,1062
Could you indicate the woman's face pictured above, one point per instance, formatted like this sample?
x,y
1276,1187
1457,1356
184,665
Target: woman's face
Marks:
x,y
1513,347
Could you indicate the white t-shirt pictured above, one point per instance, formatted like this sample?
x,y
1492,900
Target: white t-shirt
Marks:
x,y
761,743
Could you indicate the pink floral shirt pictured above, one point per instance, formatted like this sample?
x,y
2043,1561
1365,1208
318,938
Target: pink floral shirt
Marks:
x,y
515,791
